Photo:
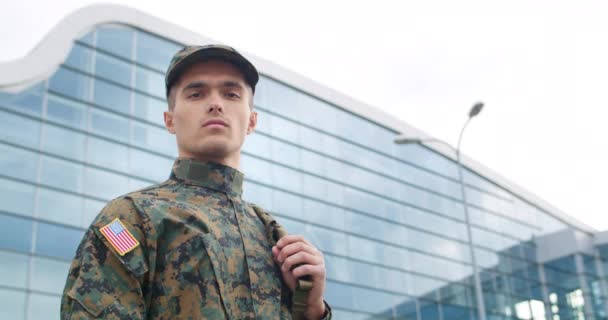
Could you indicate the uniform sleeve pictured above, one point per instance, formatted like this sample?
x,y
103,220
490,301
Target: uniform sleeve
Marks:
x,y
103,284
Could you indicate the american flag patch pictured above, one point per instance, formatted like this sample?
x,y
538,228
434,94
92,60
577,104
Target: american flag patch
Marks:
x,y
119,237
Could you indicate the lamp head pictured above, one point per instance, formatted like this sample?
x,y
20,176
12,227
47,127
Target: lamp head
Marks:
x,y
476,109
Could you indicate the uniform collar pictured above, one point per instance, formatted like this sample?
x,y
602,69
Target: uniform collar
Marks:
x,y
211,175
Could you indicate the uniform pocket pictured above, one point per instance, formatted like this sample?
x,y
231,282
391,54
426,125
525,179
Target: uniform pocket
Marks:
x,y
192,281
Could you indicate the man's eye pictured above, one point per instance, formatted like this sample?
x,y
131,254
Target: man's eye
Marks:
x,y
232,95
194,95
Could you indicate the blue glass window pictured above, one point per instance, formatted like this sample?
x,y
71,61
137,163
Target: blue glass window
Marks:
x,y
150,82
88,38
287,204
256,169
105,185
15,233
28,100
80,57
60,207
110,125
61,174
155,52
108,154
57,241
91,210
13,304
150,166
63,142
67,112
258,194
258,144
154,139
18,163
70,83
49,275
16,197
114,69
13,269
112,97
150,109
44,306
115,39
19,130
285,153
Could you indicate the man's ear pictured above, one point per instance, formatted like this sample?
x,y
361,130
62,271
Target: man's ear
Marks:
x,y
253,121
169,121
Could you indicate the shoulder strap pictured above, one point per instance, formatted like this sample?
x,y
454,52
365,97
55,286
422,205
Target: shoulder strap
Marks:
x,y
274,232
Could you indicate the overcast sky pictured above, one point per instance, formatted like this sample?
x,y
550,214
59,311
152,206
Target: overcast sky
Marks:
x,y
540,66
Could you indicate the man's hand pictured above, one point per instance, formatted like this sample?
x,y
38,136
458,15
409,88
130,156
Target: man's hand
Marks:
x,y
292,250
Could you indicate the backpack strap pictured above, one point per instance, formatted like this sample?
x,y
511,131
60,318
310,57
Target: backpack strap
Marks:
x,y
274,232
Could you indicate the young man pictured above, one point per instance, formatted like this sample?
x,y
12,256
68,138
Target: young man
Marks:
x,y
190,247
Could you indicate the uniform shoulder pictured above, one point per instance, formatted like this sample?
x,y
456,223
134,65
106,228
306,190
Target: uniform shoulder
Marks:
x,y
125,207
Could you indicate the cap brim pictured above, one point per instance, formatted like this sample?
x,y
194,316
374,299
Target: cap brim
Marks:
x,y
250,73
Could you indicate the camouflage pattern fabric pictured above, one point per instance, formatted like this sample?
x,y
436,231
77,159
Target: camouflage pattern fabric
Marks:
x,y
203,253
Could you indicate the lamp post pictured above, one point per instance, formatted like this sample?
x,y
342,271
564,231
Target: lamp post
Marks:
x,y
403,139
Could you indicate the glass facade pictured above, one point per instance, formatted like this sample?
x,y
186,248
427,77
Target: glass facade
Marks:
x,y
390,219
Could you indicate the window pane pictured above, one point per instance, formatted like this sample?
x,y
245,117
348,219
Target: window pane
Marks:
x,y
112,97
28,100
154,139
108,154
44,307
19,130
17,197
91,210
18,163
13,304
110,125
63,142
81,58
150,82
115,39
49,275
13,269
65,111
15,233
155,52
150,109
70,83
61,174
57,241
113,69
150,166
60,207
103,184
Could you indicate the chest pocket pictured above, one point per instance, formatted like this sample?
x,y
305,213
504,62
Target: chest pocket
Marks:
x,y
192,284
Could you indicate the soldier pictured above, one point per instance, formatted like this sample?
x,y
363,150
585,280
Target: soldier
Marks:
x,y
190,247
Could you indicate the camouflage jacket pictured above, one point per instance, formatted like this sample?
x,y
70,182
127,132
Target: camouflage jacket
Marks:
x,y
189,247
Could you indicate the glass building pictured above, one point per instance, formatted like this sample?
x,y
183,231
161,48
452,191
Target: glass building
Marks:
x,y
81,123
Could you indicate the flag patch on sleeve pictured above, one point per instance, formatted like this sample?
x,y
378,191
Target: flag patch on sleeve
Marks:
x,y
119,237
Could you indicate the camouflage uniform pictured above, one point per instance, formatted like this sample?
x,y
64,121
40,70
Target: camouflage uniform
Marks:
x,y
203,253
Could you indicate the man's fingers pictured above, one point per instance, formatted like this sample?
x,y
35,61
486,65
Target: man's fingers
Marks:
x,y
296,247
291,238
316,271
300,258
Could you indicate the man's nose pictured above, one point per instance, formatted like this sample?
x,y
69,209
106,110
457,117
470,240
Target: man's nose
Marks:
x,y
215,104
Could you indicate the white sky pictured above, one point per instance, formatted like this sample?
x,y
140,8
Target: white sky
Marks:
x,y
541,67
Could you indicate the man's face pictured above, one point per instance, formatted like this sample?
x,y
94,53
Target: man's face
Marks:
x,y
212,112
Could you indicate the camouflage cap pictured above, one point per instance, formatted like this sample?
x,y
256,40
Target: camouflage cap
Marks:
x,y
189,55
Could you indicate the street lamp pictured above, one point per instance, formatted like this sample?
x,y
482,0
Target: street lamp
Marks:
x,y
404,139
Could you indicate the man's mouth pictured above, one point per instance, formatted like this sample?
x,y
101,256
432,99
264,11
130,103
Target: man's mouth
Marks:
x,y
215,123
